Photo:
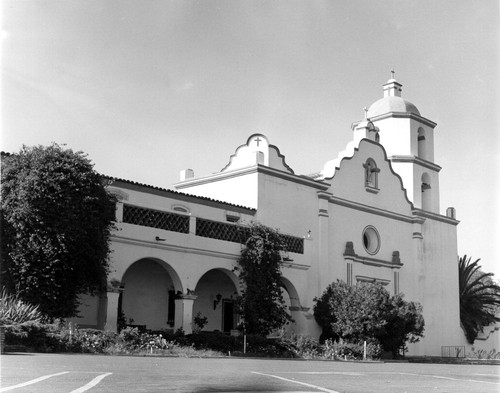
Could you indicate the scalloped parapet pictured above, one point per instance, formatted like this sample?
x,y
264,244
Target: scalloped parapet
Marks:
x,y
331,166
257,151
362,130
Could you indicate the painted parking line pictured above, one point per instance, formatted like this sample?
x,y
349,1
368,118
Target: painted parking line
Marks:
x,y
297,382
323,372
91,384
82,389
437,377
20,385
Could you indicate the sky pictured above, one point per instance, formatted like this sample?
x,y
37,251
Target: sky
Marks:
x,y
149,88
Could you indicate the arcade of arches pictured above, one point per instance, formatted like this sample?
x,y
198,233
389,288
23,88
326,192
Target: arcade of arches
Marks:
x,y
149,297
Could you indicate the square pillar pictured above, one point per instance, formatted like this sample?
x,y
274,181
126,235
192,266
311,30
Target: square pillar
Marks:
x,y
184,313
113,293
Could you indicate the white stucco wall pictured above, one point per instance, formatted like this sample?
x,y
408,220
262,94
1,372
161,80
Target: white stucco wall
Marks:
x,y
238,187
438,287
326,214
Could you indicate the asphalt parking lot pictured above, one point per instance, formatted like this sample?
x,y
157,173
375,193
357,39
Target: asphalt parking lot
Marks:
x,y
54,373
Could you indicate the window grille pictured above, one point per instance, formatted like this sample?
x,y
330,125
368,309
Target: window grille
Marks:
x,y
293,244
240,234
221,231
155,219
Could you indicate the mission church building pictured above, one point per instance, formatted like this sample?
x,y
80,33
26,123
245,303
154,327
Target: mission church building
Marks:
x,y
370,215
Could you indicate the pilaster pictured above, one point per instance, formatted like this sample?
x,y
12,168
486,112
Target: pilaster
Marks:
x,y
113,294
184,313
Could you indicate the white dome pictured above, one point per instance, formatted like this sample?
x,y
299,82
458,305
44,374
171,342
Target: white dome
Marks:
x,y
391,104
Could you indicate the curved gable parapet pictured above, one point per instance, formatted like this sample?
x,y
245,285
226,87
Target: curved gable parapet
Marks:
x,y
257,151
331,166
336,166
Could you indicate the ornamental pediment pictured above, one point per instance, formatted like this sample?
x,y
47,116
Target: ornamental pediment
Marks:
x,y
257,151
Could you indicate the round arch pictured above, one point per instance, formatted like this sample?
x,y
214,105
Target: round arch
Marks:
x,y
148,298
216,292
292,292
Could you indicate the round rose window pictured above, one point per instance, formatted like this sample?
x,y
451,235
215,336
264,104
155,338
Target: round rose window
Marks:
x,y
371,240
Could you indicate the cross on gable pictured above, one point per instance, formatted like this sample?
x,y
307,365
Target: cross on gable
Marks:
x,y
258,140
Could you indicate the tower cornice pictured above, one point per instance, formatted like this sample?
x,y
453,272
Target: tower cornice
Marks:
x,y
416,160
400,115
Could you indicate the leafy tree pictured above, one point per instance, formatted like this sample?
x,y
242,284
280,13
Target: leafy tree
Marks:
x,y
261,302
56,220
479,297
366,312
405,323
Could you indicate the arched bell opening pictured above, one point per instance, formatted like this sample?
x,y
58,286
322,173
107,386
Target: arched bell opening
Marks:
x,y
426,190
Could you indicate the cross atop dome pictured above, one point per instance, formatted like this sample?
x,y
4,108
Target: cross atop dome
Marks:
x,y
392,88
392,101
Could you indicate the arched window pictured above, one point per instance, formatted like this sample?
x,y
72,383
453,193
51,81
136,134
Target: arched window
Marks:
x,y
371,173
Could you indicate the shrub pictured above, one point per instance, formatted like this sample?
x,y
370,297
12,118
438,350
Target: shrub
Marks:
x,y
57,338
352,351
199,322
301,346
13,310
484,354
35,336
366,311
213,340
88,340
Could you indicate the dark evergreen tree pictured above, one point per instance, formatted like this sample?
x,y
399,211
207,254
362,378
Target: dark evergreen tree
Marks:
x,y
56,221
261,303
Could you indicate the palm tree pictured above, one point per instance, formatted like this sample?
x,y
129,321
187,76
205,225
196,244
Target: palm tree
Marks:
x,y
479,298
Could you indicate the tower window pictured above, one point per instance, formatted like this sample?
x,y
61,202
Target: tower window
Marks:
x,y
421,144
426,192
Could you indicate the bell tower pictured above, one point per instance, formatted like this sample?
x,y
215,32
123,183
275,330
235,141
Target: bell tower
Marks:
x,y
408,139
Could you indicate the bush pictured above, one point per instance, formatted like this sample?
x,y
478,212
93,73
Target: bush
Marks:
x,y
215,341
56,338
367,312
351,351
270,347
35,336
305,347
484,354
88,340
15,311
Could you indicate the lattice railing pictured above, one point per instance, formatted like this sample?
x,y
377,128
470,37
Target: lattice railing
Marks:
x,y
293,244
155,219
221,231
240,234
